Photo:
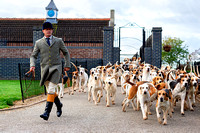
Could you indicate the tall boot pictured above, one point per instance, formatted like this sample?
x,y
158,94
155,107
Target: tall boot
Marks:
x,y
59,106
47,111
49,105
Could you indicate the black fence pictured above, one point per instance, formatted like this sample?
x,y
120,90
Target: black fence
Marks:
x,y
29,82
188,69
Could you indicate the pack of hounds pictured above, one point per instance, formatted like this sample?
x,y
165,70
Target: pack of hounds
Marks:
x,y
141,84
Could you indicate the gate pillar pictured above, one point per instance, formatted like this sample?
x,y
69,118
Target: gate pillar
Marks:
x,y
37,33
157,46
108,35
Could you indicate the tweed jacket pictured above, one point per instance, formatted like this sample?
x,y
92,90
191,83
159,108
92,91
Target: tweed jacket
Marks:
x,y
50,60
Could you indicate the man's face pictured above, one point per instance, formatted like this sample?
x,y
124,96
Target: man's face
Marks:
x,y
47,32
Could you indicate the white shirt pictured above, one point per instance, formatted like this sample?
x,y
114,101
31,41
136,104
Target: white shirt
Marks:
x,y
50,38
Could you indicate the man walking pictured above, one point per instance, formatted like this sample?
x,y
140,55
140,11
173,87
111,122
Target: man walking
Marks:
x,y
49,48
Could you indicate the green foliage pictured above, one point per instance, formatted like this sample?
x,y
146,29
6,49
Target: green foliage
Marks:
x,y
178,51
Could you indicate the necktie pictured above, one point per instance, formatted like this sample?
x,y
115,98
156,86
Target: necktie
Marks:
x,y
48,41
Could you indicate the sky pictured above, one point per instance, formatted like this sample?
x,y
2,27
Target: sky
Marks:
x,y
177,18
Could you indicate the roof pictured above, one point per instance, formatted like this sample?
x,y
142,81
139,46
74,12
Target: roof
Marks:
x,y
81,19
73,30
22,18
51,6
87,19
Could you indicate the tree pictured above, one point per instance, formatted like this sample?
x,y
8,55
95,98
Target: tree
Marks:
x,y
178,51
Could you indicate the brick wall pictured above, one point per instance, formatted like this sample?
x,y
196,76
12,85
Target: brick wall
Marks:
x,y
86,53
9,59
67,44
75,52
15,52
20,44
11,56
84,44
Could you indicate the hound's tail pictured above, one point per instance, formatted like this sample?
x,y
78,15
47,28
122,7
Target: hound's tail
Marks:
x,y
197,71
168,74
185,68
66,74
74,66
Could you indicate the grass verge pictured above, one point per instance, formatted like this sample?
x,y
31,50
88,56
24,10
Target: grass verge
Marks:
x,y
9,92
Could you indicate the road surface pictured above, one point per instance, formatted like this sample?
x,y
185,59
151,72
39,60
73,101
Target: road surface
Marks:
x,y
79,115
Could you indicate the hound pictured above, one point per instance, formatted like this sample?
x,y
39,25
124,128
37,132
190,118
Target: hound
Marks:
x,y
65,79
153,73
83,79
132,91
178,88
146,73
125,76
164,102
118,72
128,85
75,79
192,87
110,87
157,80
143,98
95,85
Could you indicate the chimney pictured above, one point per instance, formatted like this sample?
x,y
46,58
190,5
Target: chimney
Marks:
x,y
112,18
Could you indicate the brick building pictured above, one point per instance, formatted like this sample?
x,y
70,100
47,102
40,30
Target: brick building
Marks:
x,y
79,33
89,40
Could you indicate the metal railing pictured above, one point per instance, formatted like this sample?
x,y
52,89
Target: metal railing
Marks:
x,y
29,82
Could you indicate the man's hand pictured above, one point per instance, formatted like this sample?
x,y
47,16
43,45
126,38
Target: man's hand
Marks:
x,y
66,69
32,69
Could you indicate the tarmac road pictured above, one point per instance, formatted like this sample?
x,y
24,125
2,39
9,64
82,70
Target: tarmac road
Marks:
x,y
79,115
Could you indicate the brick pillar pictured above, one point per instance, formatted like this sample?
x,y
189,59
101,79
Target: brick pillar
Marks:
x,y
108,35
157,46
37,34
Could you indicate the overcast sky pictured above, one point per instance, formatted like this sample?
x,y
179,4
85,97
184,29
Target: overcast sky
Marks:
x,y
177,18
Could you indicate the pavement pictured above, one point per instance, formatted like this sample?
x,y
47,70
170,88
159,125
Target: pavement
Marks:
x,y
79,115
